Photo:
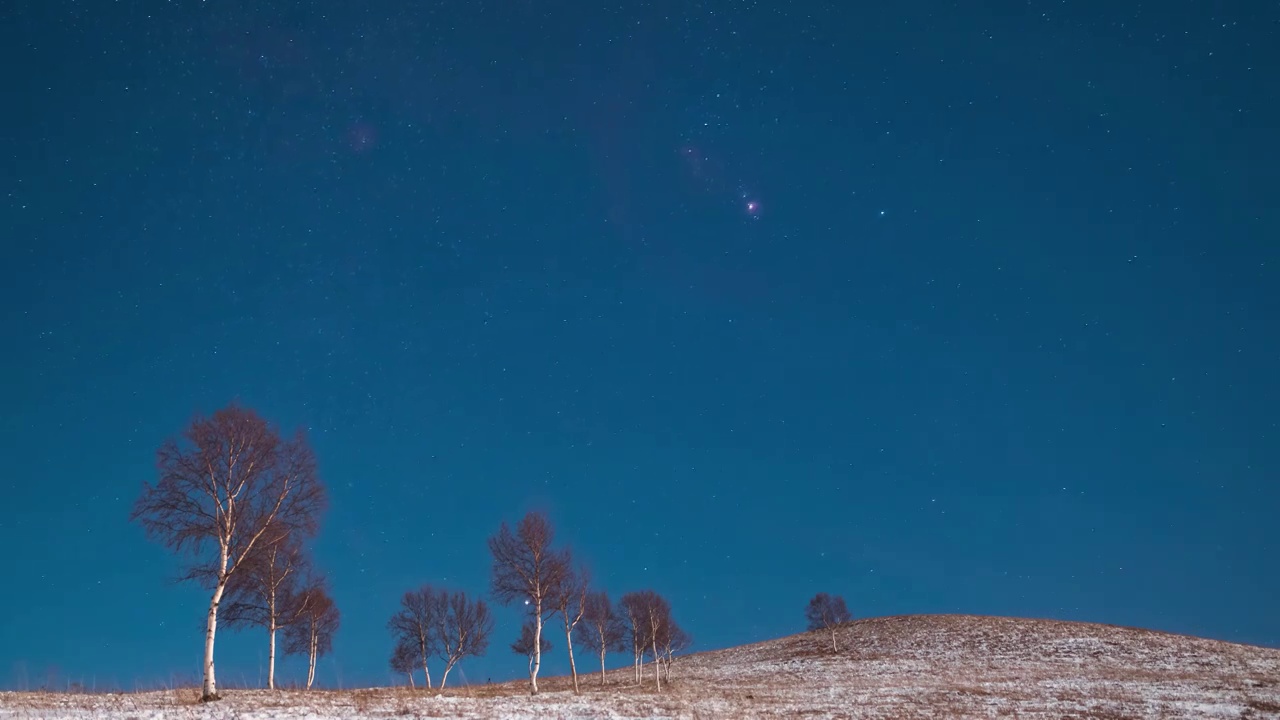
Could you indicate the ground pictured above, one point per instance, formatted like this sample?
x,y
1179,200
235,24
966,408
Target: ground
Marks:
x,y
930,666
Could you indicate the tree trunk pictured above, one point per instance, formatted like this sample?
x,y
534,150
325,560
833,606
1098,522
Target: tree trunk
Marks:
x,y
412,684
636,661
271,657
447,667
425,671
271,631
602,651
834,648
537,647
573,669
657,660
209,691
311,666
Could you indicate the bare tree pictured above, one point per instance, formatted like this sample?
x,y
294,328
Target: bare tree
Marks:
x,y
635,621
526,645
570,602
648,617
415,625
312,635
224,486
263,592
603,630
403,660
827,612
526,568
463,629
657,613
674,639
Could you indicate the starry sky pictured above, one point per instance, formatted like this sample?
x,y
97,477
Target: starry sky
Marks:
x,y
944,309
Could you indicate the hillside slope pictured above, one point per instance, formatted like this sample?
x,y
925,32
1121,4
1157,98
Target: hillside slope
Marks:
x,y
924,666
970,666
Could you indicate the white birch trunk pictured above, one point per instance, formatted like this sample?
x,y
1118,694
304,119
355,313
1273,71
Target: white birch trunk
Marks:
x,y
657,661
573,669
425,671
271,631
602,651
210,689
537,647
311,666
833,640
443,678
271,657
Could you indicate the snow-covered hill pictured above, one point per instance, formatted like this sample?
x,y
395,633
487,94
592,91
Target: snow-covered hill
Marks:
x,y
936,666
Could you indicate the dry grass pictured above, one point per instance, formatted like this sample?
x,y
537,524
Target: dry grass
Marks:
x,y
898,667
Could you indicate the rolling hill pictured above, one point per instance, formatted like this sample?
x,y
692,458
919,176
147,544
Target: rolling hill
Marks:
x,y
921,666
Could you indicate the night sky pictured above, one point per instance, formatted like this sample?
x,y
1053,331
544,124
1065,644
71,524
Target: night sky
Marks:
x,y
944,309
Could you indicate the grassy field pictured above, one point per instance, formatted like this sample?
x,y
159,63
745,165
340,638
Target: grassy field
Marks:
x,y
938,666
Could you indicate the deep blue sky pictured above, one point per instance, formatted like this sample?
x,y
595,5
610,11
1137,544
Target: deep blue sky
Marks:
x,y
998,336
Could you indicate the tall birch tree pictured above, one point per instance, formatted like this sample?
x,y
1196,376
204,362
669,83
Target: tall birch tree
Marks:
x,y
570,603
526,568
225,486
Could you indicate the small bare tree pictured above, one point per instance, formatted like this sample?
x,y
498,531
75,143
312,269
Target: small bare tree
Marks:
x,y
228,485
648,617
526,568
657,614
570,602
827,612
603,630
263,593
318,621
634,620
463,629
403,660
674,640
527,646
415,624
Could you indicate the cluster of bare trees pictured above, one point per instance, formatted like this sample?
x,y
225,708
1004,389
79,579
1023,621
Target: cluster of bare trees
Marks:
x,y
652,632
529,569
437,623
241,502
827,612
